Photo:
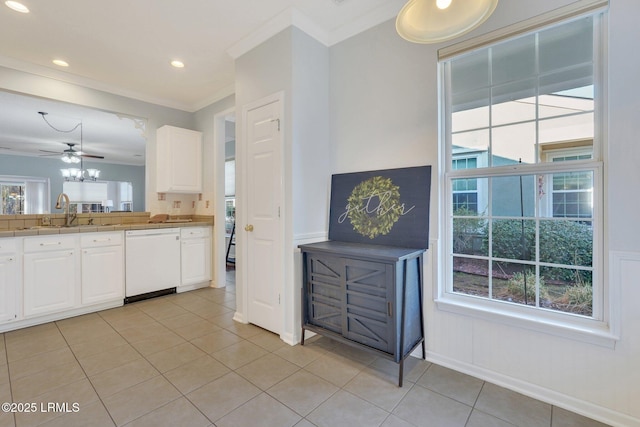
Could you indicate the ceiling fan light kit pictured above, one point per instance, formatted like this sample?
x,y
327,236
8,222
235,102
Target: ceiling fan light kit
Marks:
x,y
70,158
433,21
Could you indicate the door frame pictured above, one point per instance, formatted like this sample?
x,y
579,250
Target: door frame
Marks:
x,y
242,285
219,246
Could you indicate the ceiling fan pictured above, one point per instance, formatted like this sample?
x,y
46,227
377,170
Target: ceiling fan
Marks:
x,y
70,155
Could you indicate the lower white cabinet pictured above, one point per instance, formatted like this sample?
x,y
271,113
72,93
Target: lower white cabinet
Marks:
x,y
50,274
102,261
195,255
49,277
9,270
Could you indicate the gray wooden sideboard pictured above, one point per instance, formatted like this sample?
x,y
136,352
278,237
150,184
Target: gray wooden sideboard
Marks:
x,y
369,296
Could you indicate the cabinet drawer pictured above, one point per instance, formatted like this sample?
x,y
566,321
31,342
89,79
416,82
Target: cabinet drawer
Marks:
x,y
194,232
49,243
8,246
92,240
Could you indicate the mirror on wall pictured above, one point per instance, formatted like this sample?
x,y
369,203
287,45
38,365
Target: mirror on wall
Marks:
x,y
72,137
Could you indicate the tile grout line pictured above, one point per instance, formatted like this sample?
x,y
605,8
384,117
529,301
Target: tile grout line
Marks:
x,y
85,374
160,373
6,356
182,395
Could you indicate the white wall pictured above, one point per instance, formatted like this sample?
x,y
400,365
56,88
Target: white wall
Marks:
x,y
384,103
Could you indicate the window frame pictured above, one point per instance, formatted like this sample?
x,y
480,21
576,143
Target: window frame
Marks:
x,y
601,329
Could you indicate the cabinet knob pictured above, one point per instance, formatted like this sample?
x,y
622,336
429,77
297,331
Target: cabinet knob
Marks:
x,y
248,227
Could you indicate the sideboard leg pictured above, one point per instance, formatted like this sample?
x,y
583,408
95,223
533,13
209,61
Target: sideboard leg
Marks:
x,y
302,340
400,373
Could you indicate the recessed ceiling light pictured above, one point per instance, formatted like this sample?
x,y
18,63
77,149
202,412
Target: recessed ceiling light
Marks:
x,y
18,7
177,64
60,62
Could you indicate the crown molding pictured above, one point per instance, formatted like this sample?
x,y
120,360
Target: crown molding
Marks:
x,y
217,96
285,19
293,17
369,20
64,77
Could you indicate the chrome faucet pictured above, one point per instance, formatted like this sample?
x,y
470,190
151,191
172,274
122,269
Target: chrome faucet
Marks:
x,y
68,219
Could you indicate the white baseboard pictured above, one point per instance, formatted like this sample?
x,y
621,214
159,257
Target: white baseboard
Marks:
x,y
587,409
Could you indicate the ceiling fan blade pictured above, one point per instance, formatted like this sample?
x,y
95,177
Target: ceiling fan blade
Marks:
x,y
92,156
52,152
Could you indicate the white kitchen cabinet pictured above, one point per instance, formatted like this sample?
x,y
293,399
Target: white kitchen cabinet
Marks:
x,y
102,258
195,256
179,160
50,274
9,267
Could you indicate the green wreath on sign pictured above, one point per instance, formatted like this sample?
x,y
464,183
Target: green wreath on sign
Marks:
x,y
374,206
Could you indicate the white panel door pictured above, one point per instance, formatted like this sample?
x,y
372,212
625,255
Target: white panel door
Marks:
x,y
263,228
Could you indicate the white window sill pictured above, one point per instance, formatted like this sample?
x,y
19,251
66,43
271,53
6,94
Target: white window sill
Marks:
x,y
577,329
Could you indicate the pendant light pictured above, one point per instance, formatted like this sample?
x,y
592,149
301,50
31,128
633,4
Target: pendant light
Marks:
x,y
432,21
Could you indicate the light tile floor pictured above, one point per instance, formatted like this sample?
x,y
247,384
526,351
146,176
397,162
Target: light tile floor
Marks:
x,y
182,361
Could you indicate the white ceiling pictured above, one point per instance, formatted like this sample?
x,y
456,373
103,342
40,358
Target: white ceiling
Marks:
x,y
125,46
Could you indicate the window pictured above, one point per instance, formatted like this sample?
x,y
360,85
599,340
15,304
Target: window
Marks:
x,y
24,195
465,190
572,194
523,211
12,198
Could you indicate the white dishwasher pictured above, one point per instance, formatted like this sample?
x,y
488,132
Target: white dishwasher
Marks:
x,y
152,263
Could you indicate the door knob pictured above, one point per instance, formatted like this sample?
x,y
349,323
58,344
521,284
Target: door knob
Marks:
x,y
248,227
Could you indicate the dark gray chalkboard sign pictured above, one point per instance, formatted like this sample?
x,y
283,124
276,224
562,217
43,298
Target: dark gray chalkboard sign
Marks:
x,y
384,207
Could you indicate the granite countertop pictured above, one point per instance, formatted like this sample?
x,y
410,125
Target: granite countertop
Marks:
x,y
48,230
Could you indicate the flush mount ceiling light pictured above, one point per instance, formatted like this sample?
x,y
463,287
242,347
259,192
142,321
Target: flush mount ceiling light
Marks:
x,y
60,63
432,21
177,64
18,7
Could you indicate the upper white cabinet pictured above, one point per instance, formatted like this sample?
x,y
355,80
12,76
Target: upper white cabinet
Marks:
x,y
179,160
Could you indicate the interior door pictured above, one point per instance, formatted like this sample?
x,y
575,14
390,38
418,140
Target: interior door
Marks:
x,y
263,228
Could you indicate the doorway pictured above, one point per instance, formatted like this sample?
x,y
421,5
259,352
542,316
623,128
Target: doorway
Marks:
x,y
224,257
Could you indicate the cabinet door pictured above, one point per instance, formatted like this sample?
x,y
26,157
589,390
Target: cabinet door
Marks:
x,y
49,282
369,304
8,285
179,167
102,274
195,261
324,291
